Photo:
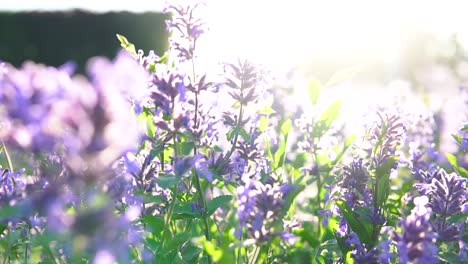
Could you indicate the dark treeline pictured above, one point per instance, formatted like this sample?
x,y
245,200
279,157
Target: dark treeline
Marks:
x,y
54,38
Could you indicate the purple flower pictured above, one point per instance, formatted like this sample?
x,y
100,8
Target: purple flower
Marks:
x,y
243,79
464,144
12,186
132,164
147,61
326,216
259,206
416,243
124,75
447,192
186,27
385,134
353,186
31,100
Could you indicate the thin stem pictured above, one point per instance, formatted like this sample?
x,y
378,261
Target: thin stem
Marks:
x,y
174,198
195,125
196,177
236,135
376,211
319,186
255,255
26,245
10,163
47,247
7,256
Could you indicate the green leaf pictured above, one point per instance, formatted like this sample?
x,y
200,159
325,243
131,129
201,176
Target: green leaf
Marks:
x,y
320,260
326,119
156,224
190,253
129,47
279,154
176,241
8,211
342,75
267,110
453,161
210,248
244,134
230,133
217,202
457,138
263,123
238,130
186,147
363,230
306,233
344,247
464,127
286,127
150,127
331,113
184,211
290,199
150,198
314,88
382,174
168,181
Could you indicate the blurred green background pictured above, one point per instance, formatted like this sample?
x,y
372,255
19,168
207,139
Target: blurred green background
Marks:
x,y
54,38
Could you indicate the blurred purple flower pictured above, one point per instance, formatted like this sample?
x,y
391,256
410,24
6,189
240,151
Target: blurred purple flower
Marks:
x,y
123,75
32,99
464,144
12,186
416,243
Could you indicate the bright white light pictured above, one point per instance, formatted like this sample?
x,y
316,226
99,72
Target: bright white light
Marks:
x,y
285,33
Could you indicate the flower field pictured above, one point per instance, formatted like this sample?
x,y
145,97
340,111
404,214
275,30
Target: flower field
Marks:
x,y
149,158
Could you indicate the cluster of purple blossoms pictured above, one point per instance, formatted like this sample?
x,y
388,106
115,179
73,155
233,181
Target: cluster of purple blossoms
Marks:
x,y
136,180
33,101
354,185
12,186
88,124
186,28
37,102
260,205
384,136
420,141
416,243
447,195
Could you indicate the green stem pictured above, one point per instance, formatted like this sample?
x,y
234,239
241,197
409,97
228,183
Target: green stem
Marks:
x,y
319,187
10,163
236,135
174,198
203,200
255,255
375,234
26,245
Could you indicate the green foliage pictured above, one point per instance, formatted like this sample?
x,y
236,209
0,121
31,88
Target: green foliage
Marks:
x,y
127,45
359,224
314,87
453,161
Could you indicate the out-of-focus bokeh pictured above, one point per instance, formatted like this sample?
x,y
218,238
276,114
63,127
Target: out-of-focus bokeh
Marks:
x,y
396,47
54,32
